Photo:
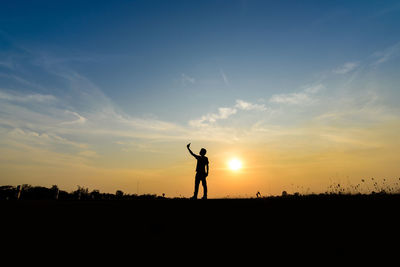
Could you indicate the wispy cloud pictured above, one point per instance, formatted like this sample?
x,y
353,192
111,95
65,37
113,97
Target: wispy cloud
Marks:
x,y
303,97
43,139
79,119
243,105
387,54
186,79
25,98
292,98
387,10
224,77
313,89
361,108
223,113
346,68
74,121
226,112
88,153
152,124
7,64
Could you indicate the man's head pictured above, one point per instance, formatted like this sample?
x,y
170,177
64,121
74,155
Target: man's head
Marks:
x,y
203,151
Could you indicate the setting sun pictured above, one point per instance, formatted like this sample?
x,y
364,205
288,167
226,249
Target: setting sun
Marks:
x,y
235,164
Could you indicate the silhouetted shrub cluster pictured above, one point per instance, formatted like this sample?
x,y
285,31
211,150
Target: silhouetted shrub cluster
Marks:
x,y
28,192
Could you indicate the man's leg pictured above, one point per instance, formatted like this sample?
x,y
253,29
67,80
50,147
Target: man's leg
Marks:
x,y
204,183
196,186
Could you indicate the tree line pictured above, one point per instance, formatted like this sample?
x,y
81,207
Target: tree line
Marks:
x,y
29,192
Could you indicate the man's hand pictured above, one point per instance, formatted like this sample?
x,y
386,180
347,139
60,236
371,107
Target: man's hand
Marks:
x,y
188,145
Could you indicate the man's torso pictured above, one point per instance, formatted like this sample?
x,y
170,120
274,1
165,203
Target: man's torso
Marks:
x,y
201,164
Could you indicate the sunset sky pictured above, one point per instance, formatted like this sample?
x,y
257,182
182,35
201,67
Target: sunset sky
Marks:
x,y
106,94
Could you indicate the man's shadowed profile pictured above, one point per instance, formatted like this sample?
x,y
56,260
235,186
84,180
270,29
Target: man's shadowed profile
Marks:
x,y
201,171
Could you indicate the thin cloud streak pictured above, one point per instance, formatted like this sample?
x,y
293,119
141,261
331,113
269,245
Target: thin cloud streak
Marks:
x,y
305,97
387,54
226,112
346,68
243,105
80,119
186,79
25,98
205,120
224,77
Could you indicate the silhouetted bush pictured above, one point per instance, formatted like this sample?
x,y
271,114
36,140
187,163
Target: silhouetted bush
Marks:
x,y
7,192
119,194
28,192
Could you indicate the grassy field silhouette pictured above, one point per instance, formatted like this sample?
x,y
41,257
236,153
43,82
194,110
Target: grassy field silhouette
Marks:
x,y
323,224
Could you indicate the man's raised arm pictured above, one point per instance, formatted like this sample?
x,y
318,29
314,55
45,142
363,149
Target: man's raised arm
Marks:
x,y
190,151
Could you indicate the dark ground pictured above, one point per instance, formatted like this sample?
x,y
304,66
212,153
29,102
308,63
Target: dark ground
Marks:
x,y
327,226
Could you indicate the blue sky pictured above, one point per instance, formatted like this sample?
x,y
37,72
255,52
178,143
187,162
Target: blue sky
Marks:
x,y
138,52
93,76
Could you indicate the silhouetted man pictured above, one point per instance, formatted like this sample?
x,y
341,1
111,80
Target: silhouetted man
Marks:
x,y
201,171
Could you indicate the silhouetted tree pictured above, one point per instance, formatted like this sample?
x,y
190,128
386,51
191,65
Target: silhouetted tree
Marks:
x,y
56,191
7,192
119,194
81,193
95,194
